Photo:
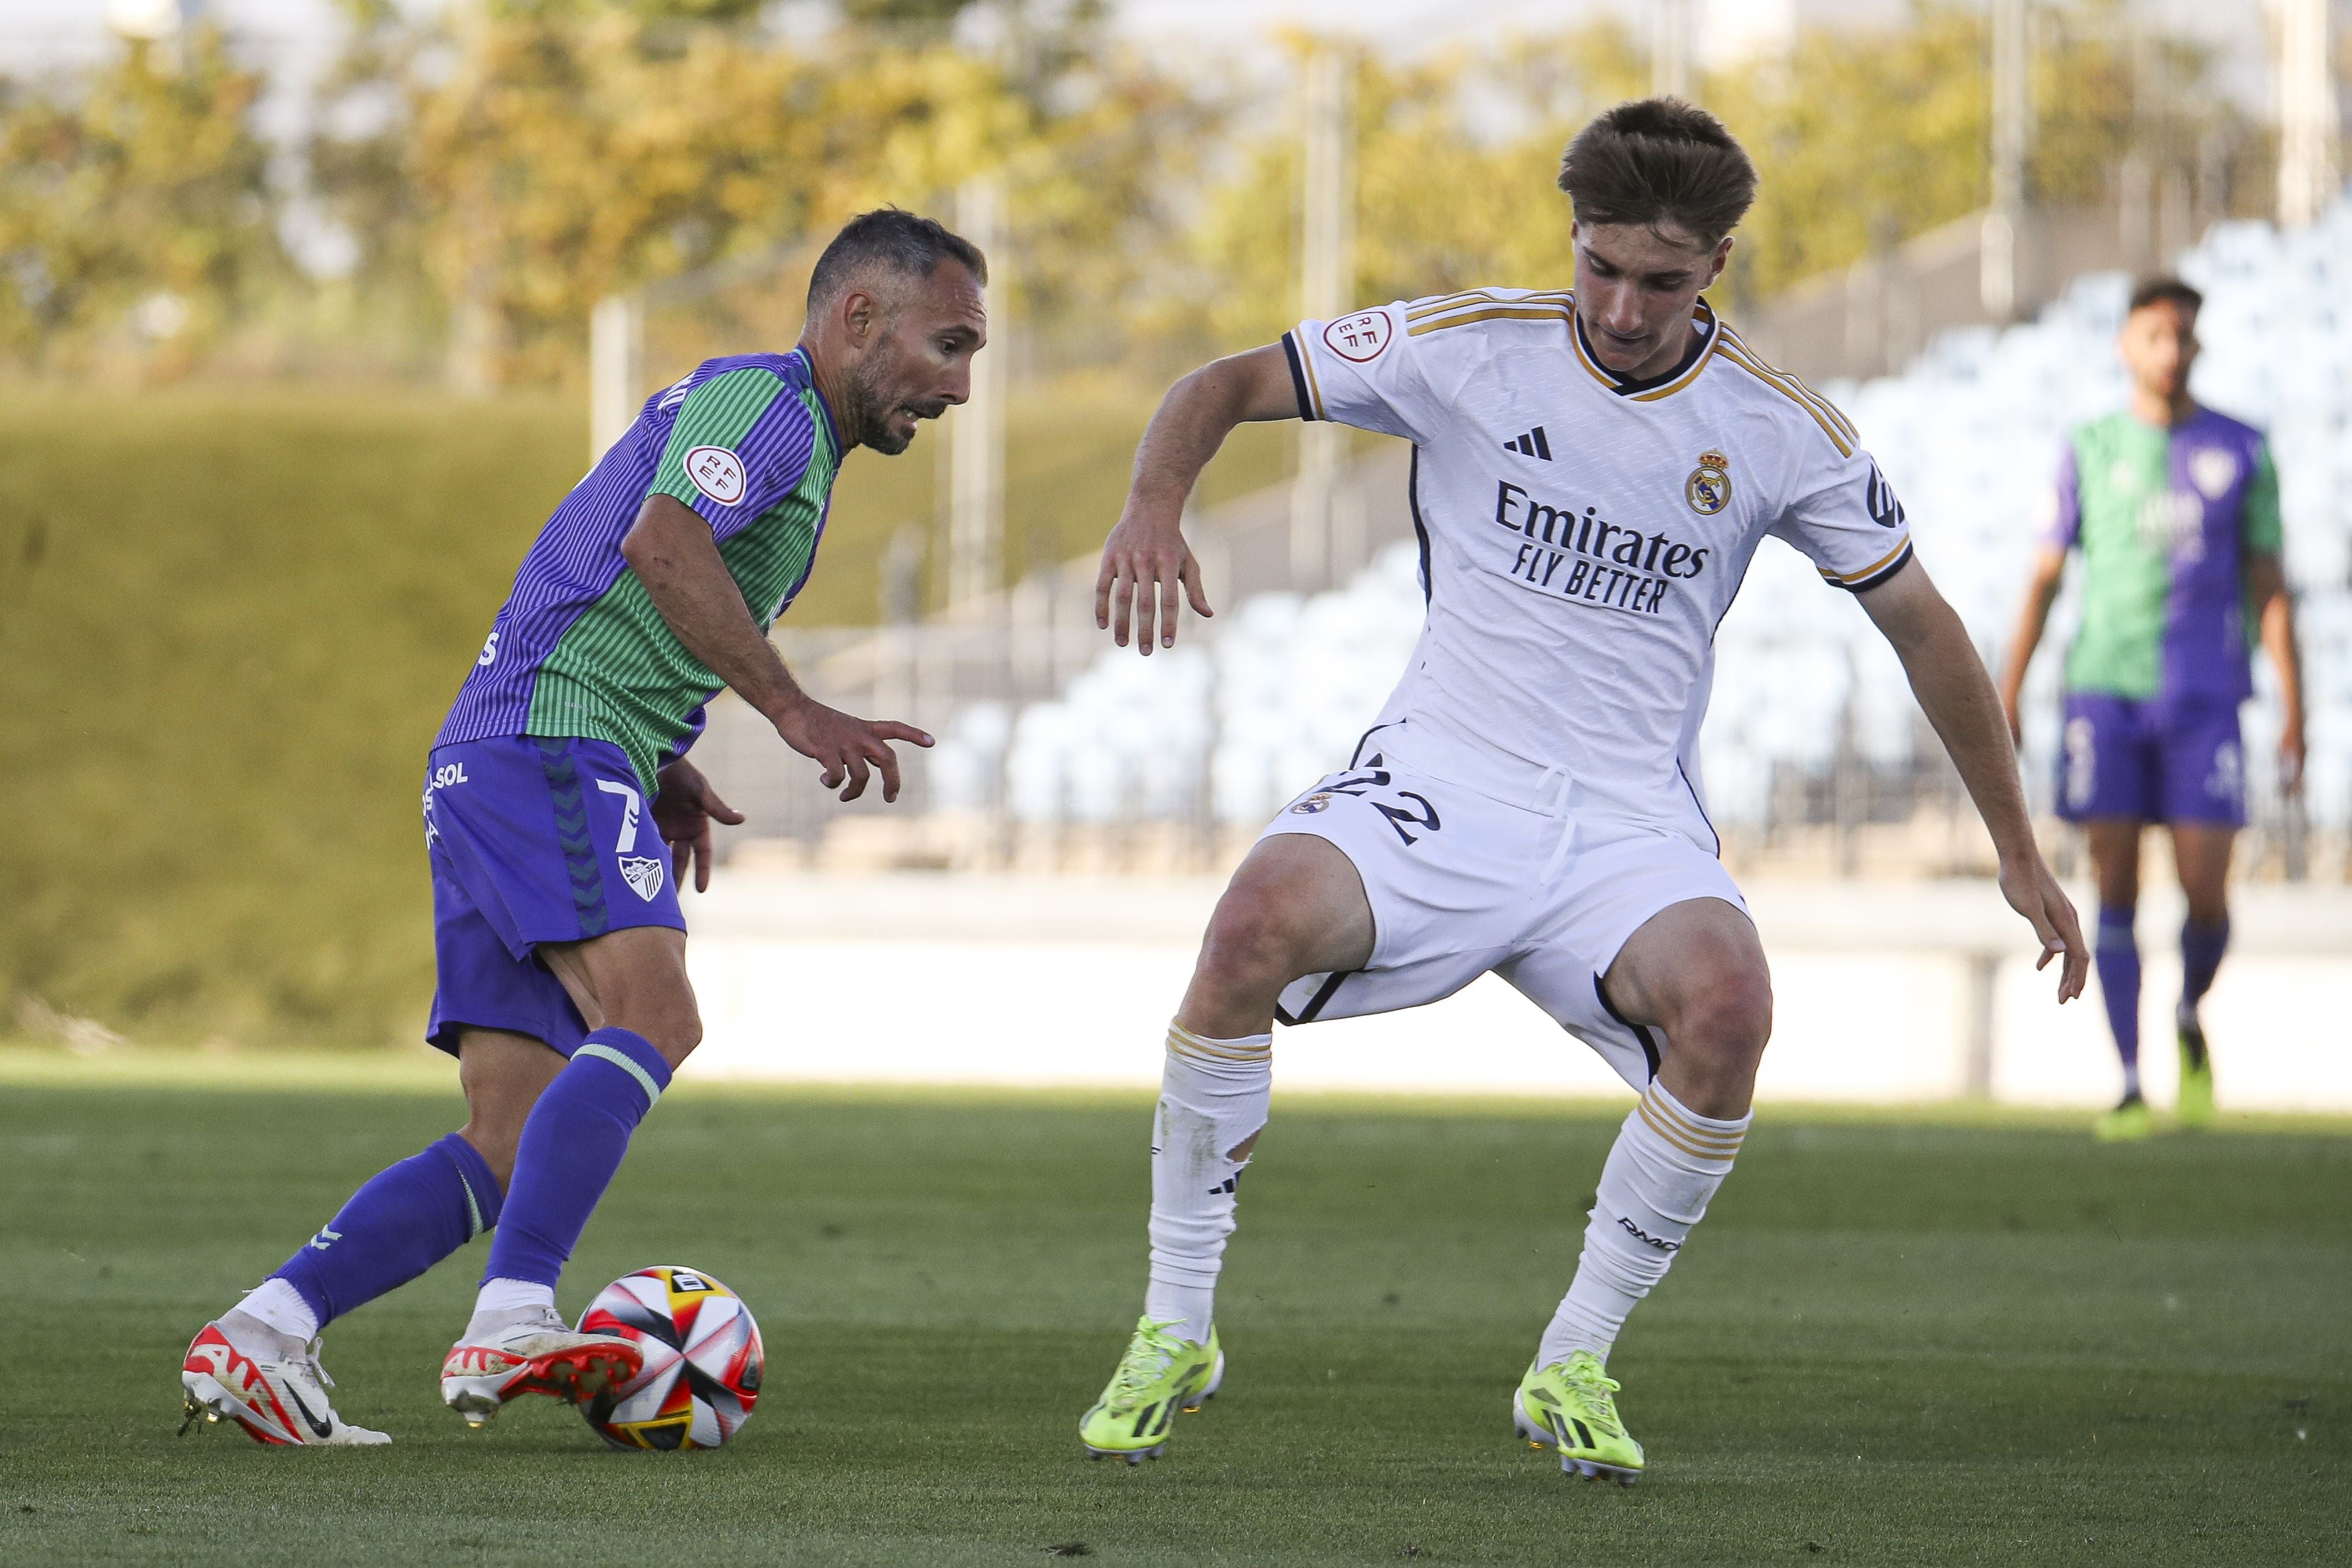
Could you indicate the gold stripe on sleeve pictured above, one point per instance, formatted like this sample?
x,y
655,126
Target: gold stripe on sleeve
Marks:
x,y
1837,437
1314,387
1881,564
1440,305
1529,312
1789,380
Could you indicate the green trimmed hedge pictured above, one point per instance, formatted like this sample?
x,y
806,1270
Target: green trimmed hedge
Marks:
x,y
230,623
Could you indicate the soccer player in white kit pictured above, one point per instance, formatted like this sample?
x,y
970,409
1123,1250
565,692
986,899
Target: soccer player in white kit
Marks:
x,y
1592,471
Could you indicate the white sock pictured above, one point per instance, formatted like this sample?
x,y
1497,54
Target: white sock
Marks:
x,y
281,1307
2131,1078
1214,1097
504,1302
1665,1166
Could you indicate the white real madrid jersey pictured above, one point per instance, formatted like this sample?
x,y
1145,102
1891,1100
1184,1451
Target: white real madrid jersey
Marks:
x,y
1582,535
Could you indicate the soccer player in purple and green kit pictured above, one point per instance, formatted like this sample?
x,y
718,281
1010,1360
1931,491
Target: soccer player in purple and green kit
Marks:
x,y
560,811
2174,509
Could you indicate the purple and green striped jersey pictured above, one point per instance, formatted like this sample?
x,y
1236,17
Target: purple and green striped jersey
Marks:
x,y
2165,519
578,649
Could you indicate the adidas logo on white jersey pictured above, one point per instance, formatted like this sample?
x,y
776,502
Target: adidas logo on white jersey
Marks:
x,y
1531,445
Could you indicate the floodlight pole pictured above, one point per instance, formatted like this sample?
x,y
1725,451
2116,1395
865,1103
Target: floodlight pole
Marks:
x,y
616,363
1327,281
1672,29
976,430
2013,136
2307,175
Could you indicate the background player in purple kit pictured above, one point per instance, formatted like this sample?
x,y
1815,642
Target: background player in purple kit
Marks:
x,y
2175,510
559,808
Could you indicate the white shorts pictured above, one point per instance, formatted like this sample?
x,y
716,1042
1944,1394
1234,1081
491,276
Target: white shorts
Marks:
x,y
1461,883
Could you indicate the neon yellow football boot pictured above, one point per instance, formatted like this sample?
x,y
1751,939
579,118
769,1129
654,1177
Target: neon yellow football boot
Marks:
x,y
2195,1106
1158,1375
1569,1406
2127,1122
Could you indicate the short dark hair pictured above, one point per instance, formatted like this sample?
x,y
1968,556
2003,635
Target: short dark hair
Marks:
x,y
2164,289
907,244
1656,161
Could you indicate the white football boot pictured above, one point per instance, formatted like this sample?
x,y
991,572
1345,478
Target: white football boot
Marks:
x,y
277,1400
539,1355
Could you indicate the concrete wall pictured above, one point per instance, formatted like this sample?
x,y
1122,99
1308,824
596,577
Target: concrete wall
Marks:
x,y
1873,317
1887,994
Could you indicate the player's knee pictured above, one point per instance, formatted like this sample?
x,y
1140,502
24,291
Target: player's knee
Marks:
x,y
2207,905
494,1126
673,1028
684,1035
656,1003
1726,1013
1252,943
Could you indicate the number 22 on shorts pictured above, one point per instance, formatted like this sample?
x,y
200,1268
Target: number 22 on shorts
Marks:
x,y
1363,784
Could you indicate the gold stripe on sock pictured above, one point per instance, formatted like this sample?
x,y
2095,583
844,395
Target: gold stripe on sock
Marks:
x,y
1719,1148
1212,1055
1673,1134
1651,1120
1184,1042
1689,1122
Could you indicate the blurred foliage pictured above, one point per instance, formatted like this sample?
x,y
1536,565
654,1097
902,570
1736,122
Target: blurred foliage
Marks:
x,y
535,158
1862,140
498,167
1444,200
1859,137
141,198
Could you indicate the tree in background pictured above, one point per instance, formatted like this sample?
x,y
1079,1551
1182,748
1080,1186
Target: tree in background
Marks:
x,y
1861,138
1866,139
499,166
134,204
1858,139
525,160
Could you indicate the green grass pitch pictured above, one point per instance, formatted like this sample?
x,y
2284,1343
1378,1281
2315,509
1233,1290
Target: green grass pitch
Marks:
x,y
1922,1342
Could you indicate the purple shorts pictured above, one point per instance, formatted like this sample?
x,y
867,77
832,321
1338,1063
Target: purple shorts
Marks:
x,y
532,840
2152,762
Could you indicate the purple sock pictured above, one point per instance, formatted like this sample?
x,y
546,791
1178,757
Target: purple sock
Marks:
x,y
404,1221
2118,958
2202,948
571,1146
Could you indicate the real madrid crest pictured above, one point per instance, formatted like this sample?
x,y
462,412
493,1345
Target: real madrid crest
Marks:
x,y
1708,489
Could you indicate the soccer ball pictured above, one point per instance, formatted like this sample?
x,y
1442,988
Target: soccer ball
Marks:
x,y
703,1367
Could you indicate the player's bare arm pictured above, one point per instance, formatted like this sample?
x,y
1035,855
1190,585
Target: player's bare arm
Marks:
x,y
2266,588
2033,619
672,552
1145,562
1958,697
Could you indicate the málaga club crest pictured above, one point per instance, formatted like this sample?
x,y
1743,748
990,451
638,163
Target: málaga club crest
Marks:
x,y
643,874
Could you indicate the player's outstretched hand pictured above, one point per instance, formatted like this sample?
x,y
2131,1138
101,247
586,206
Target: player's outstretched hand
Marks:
x,y
1144,566
684,806
847,748
2034,892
